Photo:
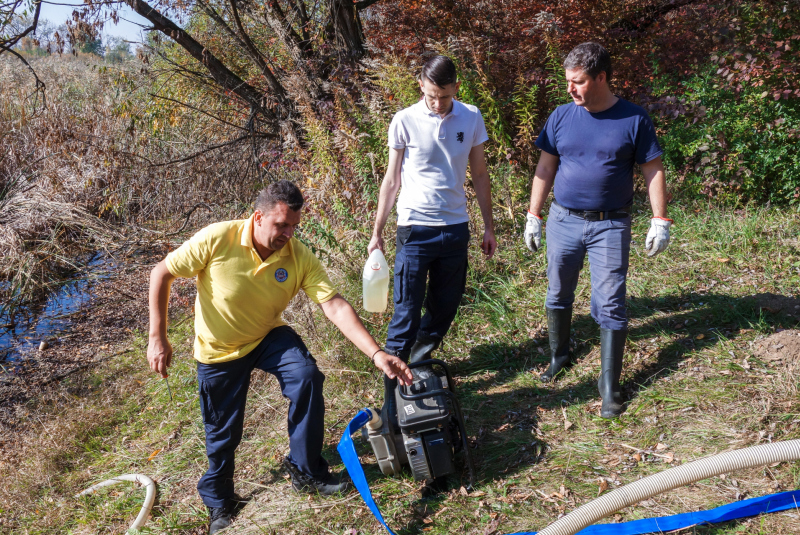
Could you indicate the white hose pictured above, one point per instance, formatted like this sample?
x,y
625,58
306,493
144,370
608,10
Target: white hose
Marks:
x,y
144,481
752,457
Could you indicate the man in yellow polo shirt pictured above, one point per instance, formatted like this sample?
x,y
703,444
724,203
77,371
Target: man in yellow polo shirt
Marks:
x,y
247,273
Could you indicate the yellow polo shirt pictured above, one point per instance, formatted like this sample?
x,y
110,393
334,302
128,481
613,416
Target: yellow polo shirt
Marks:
x,y
240,298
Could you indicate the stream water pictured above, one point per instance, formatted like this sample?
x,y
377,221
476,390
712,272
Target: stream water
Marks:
x,y
46,322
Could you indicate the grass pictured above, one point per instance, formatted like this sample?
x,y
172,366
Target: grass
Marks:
x,y
728,279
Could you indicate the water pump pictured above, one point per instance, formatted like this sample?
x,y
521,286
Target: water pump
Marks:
x,y
427,430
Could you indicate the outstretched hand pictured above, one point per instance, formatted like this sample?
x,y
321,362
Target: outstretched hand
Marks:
x,y
393,367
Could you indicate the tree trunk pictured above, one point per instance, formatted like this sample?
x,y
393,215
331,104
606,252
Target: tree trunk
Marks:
x,y
344,17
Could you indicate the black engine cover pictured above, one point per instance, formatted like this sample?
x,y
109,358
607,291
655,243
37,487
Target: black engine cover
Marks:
x,y
424,414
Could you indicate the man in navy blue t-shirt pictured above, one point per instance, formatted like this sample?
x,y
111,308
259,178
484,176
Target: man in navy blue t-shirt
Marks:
x,y
589,149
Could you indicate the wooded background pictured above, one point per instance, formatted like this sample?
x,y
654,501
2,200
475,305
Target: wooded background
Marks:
x,y
225,96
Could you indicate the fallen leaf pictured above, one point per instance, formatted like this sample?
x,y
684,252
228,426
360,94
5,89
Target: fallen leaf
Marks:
x,y
699,336
669,457
661,447
567,425
427,520
637,457
724,260
603,486
478,494
153,455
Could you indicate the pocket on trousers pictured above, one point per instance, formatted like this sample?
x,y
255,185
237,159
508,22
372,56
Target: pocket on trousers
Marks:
x,y
557,213
207,406
399,283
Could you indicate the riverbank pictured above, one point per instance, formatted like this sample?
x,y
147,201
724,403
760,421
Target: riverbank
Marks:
x,y
703,373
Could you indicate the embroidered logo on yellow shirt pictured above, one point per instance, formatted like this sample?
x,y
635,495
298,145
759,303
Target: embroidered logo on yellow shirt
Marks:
x,y
281,275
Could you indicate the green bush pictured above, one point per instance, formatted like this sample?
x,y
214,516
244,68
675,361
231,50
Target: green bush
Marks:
x,y
732,147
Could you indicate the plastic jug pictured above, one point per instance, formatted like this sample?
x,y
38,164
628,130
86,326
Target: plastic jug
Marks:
x,y
376,282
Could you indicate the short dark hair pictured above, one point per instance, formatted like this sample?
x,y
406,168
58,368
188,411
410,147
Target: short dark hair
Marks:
x,y
439,70
281,191
591,58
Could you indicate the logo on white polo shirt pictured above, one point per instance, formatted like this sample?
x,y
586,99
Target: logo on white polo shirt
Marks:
x,y
460,137
281,275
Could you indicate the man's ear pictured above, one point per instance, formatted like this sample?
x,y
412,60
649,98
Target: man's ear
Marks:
x,y
601,77
257,216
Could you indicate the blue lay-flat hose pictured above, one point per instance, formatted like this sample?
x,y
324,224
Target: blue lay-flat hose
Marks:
x,y
580,521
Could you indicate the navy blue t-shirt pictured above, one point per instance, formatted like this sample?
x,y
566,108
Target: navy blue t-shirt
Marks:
x,y
596,153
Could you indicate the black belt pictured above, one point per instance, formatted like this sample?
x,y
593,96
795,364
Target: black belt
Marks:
x,y
592,215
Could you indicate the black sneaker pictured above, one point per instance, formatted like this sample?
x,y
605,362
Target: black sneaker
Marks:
x,y
220,518
327,486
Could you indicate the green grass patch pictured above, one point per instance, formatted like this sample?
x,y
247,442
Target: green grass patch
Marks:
x,y
728,280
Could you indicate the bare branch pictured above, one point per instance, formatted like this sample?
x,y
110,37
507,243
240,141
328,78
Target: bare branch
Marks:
x,y
221,74
256,56
40,86
213,147
299,8
184,104
7,44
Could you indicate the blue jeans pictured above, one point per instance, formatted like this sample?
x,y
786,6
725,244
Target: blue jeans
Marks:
x,y
432,257
608,244
223,393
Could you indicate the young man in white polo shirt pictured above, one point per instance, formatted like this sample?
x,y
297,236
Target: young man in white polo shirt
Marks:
x,y
431,143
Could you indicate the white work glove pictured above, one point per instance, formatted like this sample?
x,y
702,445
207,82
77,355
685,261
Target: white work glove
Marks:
x,y
533,232
657,236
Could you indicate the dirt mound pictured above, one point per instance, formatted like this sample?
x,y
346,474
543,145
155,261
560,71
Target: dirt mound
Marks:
x,y
781,346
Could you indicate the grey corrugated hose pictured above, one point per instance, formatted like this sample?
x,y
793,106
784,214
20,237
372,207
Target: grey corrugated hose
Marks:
x,y
149,499
610,503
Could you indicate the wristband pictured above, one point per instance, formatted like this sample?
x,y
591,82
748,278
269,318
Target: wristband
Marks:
x,y
536,216
372,358
663,219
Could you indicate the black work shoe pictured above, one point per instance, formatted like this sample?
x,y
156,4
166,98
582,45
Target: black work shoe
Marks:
x,y
421,350
558,324
220,518
327,486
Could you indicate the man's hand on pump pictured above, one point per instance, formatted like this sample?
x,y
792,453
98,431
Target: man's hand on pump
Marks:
x,y
393,367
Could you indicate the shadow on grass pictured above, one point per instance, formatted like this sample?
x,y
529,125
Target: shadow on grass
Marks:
x,y
503,425
506,423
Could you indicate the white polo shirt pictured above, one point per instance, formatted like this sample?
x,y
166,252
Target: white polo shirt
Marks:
x,y
434,166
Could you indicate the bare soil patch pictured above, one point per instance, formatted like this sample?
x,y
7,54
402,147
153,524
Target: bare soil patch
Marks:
x,y
781,346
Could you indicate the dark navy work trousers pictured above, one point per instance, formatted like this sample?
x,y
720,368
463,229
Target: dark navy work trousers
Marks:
x,y
432,257
607,243
223,393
